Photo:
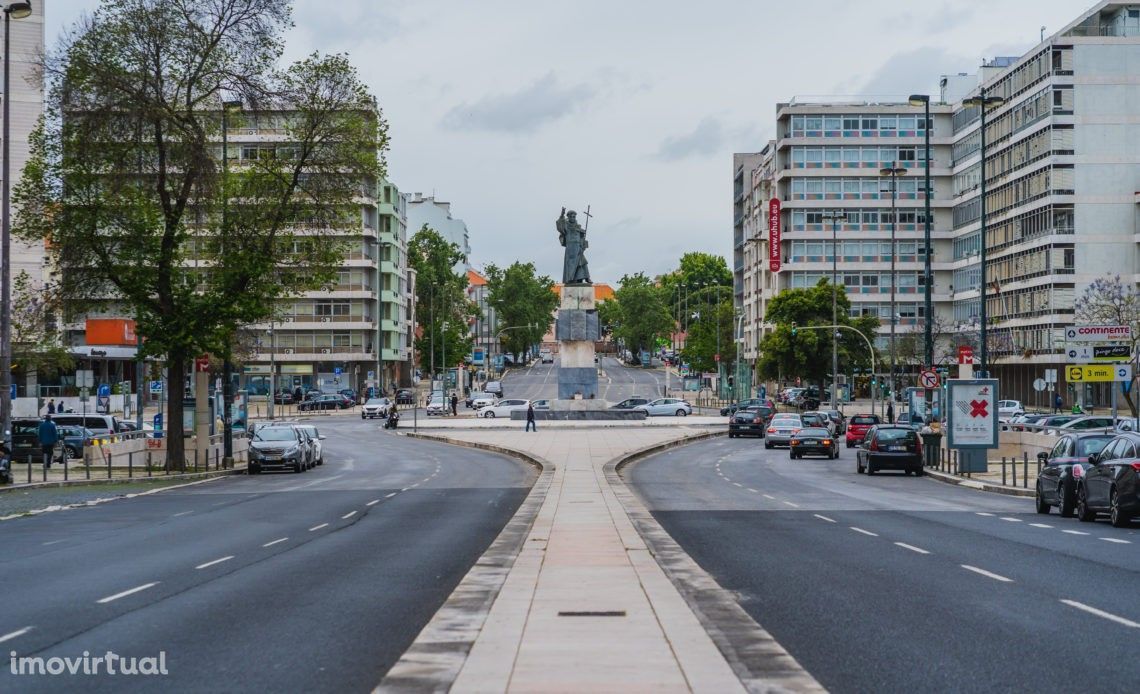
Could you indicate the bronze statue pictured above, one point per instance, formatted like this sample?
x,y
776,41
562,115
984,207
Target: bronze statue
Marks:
x,y
572,236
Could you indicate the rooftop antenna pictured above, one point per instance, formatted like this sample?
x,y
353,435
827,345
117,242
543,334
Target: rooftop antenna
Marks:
x,y
1042,32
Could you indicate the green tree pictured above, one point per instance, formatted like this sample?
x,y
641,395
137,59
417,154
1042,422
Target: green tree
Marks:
x,y
126,182
521,297
711,332
696,270
638,315
442,307
37,345
807,354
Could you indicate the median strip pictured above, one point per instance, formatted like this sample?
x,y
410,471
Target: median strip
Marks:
x,y
125,593
211,563
1101,613
987,574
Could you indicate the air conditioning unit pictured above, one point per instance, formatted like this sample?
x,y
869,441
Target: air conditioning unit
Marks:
x,y
326,350
325,319
288,350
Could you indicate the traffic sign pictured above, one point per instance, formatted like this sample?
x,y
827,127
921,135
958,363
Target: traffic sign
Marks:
x,y
1039,385
1098,333
965,354
85,378
1050,375
336,370
928,379
1079,354
1099,373
155,387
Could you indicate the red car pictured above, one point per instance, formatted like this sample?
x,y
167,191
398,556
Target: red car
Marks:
x,y
857,427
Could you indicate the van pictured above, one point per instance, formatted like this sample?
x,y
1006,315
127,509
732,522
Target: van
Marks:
x,y
98,423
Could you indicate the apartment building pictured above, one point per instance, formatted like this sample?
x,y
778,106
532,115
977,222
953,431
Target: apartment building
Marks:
x,y
426,209
484,328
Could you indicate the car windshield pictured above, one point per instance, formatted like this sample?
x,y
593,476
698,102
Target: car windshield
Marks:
x,y
375,401
814,431
897,435
864,419
746,415
275,434
786,419
1092,445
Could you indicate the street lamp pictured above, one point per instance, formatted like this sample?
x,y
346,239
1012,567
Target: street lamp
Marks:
x,y
928,333
227,365
984,103
893,172
834,216
12,10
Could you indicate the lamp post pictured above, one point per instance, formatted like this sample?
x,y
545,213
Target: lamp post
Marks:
x,y
834,216
928,310
380,247
12,10
272,365
893,172
227,365
984,103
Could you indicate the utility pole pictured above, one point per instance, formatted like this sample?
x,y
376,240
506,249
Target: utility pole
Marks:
x,y
834,216
893,172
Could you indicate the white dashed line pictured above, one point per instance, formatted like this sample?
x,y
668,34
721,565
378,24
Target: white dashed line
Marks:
x,y
373,502
1041,525
1116,540
1011,520
982,513
865,532
348,515
912,548
275,542
790,504
318,527
769,496
211,563
184,513
987,574
125,593
53,542
405,489
1101,613
14,634
738,484
389,496
1075,532
823,518
754,491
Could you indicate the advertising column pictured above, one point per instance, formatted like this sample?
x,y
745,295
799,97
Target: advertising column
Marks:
x,y
972,421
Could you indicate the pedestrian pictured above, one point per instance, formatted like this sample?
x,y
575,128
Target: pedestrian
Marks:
x,y
530,425
51,406
1058,404
48,435
454,404
297,394
890,413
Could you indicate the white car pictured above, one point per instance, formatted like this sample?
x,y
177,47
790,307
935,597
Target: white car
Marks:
x,y
1009,408
438,406
666,407
375,407
481,400
503,408
541,404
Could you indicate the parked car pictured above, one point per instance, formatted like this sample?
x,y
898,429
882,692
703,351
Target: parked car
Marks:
x,y
666,407
818,419
326,402
375,407
1084,424
316,452
405,396
503,408
630,403
731,409
494,388
747,422
1063,466
26,441
101,424
437,404
1112,483
813,440
1009,408
1053,421
890,447
283,397
858,426
781,428
75,438
278,448
350,394
481,400
543,404
838,419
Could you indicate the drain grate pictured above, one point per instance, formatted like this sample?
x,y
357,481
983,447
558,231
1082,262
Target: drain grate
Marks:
x,y
591,613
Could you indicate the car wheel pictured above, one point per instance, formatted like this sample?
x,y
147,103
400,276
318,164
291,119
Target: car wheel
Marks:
x,y
1084,514
1116,515
767,446
321,460
254,469
1042,507
489,415
850,445
362,416
731,435
858,466
1066,502
681,413
870,468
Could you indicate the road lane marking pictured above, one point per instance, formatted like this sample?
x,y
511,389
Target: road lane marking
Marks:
x,y
1041,525
1011,520
825,518
790,504
277,541
1101,613
769,496
1116,540
318,527
348,515
389,496
125,593
11,635
211,563
1075,532
912,548
754,491
982,513
53,542
987,574
738,484
405,489
865,532
184,513
373,502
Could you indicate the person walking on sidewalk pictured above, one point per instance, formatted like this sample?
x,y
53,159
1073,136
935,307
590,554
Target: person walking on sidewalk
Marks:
x,y
454,404
1058,403
530,425
48,435
890,413
51,406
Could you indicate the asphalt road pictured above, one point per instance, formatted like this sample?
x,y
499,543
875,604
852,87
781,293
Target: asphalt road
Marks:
x,y
279,582
619,382
892,583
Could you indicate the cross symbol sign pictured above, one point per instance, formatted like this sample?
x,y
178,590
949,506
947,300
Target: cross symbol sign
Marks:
x,y
978,408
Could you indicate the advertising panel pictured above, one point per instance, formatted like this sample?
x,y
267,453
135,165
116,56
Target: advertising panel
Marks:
x,y
972,411
774,234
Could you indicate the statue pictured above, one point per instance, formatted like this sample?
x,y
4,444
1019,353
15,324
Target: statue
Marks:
x,y
573,237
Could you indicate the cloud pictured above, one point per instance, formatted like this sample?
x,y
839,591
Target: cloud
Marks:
x,y
948,17
915,71
710,137
523,111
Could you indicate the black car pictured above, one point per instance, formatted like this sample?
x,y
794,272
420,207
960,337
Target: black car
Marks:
x,y
1112,483
1062,467
348,393
747,422
890,447
630,403
731,409
326,402
405,396
26,441
813,441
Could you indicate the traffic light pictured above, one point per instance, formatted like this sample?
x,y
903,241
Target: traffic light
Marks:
x,y
794,328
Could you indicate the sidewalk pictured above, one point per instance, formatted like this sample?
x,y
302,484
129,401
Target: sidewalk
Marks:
x,y
584,605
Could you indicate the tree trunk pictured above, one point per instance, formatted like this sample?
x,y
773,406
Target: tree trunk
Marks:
x,y
176,388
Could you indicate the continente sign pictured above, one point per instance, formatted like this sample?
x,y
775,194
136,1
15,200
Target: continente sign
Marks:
x,y
1098,333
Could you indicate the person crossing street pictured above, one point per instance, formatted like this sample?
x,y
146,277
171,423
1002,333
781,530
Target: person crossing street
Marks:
x,y
530,424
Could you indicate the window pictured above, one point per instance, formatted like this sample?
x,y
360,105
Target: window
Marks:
x,y
851,122
870,123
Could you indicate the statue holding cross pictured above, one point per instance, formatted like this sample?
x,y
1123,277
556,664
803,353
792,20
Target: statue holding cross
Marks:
x,y
572,236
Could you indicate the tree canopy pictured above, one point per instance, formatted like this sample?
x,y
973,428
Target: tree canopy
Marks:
x,y
521,297
637,315
442,307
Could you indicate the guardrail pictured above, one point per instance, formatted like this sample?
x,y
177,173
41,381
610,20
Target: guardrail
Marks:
x,y
139,464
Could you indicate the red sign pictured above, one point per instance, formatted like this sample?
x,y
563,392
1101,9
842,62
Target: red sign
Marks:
x,y
965,354
716,357
978,408
201,363
774,234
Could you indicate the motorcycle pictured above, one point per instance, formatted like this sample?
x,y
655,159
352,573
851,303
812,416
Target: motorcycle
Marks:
x,y
393,419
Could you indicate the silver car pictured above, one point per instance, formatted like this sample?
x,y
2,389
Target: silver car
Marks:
x,y
666,407
781,429
375,407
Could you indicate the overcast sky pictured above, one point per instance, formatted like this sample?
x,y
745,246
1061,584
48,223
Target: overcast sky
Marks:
x,y
511,109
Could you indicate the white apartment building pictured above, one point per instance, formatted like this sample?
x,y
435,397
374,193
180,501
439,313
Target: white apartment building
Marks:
x,y
437,215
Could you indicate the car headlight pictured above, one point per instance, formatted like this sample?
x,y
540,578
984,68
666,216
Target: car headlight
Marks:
x,y
254,453
292,450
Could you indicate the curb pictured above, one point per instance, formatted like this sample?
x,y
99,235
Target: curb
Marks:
x,y
438,653
189,476
96,502
757,659
979,485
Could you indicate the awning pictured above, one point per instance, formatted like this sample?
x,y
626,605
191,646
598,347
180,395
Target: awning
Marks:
x,y
101,352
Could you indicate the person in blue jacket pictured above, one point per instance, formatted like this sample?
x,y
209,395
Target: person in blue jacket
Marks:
x,y
48,435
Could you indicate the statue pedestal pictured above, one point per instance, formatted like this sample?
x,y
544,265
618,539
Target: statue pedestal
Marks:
x,y
576,330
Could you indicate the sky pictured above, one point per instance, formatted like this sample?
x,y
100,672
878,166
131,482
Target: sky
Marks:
x,y
513,109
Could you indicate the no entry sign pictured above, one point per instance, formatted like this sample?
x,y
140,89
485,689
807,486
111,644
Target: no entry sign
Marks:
x,y
928,379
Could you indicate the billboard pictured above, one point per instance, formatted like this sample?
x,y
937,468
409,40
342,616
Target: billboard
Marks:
x,y
972,413
115,332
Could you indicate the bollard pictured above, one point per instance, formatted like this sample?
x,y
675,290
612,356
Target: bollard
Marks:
x,y
1024,470
1003,471
29,468
109,458
130,464
1013,467
65,459
954,470
148,464
87,461
43,477
195,460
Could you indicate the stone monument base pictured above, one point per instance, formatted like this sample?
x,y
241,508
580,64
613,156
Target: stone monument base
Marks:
x,y
576,330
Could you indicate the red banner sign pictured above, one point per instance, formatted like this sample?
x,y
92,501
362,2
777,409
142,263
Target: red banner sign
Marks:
x,y
965,354
774,234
